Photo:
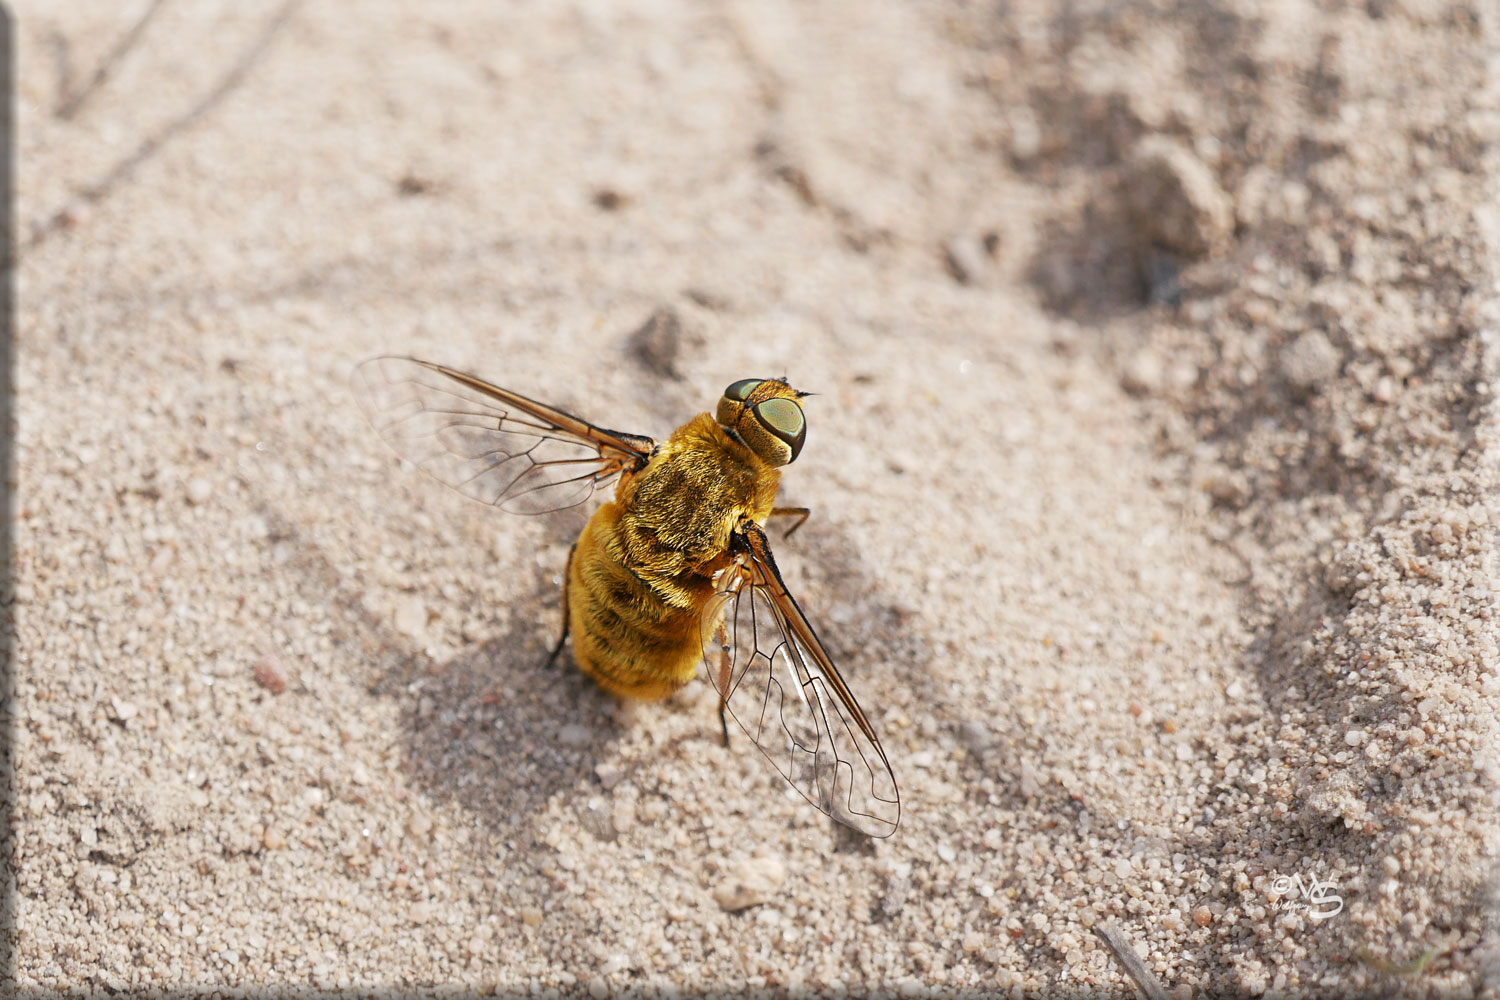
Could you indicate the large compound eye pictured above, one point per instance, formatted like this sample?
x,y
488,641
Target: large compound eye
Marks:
x,y
741,390
784,420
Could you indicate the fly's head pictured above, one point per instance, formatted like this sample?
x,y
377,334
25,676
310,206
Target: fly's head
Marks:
x,y
764,416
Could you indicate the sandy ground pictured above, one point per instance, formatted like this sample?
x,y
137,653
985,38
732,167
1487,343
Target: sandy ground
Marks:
x,y
1153,474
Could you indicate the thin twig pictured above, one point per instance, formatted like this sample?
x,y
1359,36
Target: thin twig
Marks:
x,y
1119,945
70,104
121,171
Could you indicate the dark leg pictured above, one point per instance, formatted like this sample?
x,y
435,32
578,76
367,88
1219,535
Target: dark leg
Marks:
x,y
567,576
722,635
800,513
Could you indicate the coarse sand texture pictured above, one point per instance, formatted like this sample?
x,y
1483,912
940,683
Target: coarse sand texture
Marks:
x,y
1152,464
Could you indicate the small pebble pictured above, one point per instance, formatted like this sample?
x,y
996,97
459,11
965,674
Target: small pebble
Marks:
x,y
622,816
1310,361
610,199
411,617
749,882
966,258
162,558
1176,198
269,675
75,214
574,735
1145,373
1025,134
199,490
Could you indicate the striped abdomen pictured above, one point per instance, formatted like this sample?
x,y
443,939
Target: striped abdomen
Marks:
x,y
643,569
634,632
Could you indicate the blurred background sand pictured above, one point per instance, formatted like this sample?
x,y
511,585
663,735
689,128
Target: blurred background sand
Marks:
x,y
1152,467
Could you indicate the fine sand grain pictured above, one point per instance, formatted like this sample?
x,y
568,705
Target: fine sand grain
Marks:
x,y
1153,469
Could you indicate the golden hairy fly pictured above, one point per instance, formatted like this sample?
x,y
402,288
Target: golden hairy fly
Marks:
x,y
675,570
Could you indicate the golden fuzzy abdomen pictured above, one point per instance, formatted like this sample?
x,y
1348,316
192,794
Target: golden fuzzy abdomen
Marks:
x,y
642,571
636,634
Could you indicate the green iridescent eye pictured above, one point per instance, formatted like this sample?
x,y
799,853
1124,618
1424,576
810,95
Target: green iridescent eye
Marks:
x,y
783,418
741,390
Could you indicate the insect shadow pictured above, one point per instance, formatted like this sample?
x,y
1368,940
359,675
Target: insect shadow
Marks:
x,y
500,729
496,729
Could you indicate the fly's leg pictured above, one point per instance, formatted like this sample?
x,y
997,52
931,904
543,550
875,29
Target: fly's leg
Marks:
x,y
800,513
721,636
567,576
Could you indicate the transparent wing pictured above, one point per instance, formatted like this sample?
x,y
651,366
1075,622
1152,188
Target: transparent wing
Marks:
x,y
491,444
779,684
